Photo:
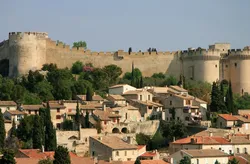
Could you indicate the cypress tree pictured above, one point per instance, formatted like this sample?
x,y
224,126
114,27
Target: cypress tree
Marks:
x,y
2,130
8,157
229,100
137,161
87,119
141,82
61,155
13,132
217,100
37,133
42,114
132,76
77,118
89,94
50,133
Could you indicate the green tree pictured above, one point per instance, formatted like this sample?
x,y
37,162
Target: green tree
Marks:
x,y
42,114
77,67
18,93
37,133
233,161
25,131
217,100
6,89
61,155
8,157
173,129
217,162
158,75
49,67
185,160
50,132
171,80
31,98
87,120
229,101
89,94
141,82
77,117
241,102
129,50
13,129
113,72
143,139
137,161
2,131
67,125
44,90
80,44
45,161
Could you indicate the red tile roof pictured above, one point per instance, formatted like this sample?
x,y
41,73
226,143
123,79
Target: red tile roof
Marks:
x,y
202,140
148,154
228,117
241,159
147,162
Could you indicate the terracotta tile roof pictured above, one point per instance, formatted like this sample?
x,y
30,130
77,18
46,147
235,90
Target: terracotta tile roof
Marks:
x,y
105,115
32,107
159,89
243,119
7,103
36,153
148,154
185,97
91,106
115,143
241,159
147,162
94,97
202,140
115,97
56,105
177,88
228,117
15,112
199,100
205,153
118,85
128,107
148,103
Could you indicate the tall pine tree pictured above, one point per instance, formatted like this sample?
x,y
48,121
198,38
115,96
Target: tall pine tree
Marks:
x,y
77,117
37,133
87,120
2,131
217,100
61,156
50,132
89,94
229,101
13,129
133,80
42,114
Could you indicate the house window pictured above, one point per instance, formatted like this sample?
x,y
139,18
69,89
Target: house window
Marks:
x,y
58,110
58,125
188,102
197,161
178,118
113,119
117,153
148,97
245,150
29,112
70,110
105,122
220,148
125,153
35,112
226,66
235,64
238,150
170,102
140,97
58,117
230,151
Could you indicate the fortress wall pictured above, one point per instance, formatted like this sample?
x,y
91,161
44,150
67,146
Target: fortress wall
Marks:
x,y
148,64
27,52
4,50
239,70
224,70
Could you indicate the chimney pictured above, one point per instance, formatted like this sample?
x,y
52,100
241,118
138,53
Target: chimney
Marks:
x,y
104,107
42,149
95,160
173,139
193,141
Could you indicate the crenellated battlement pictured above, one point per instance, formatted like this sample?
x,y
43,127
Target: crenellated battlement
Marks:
x,y
239,53
201,54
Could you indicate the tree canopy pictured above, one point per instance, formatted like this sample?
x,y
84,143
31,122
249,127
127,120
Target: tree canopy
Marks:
x,y
80,44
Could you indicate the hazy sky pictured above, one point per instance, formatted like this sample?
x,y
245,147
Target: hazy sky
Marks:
x,y
108,25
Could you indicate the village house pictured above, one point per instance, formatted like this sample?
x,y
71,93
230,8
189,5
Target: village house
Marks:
x,y
95,98
138,94
206,156
232,143
128,113
226,121
31,109
7,105
112,148
116,100
13,115
119,89
148,109
57,112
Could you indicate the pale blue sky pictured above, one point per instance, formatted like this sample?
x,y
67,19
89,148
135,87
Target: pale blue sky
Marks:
x,y
108,25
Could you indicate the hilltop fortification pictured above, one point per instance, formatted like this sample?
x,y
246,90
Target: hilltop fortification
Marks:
x,y
24,51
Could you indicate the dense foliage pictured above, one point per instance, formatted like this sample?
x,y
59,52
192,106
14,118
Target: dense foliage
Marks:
x,y
8,157
2,131
185,160
61,156
173,130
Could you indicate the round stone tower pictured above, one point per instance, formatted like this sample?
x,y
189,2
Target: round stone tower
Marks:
x,y
201,64
239,65
27,51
